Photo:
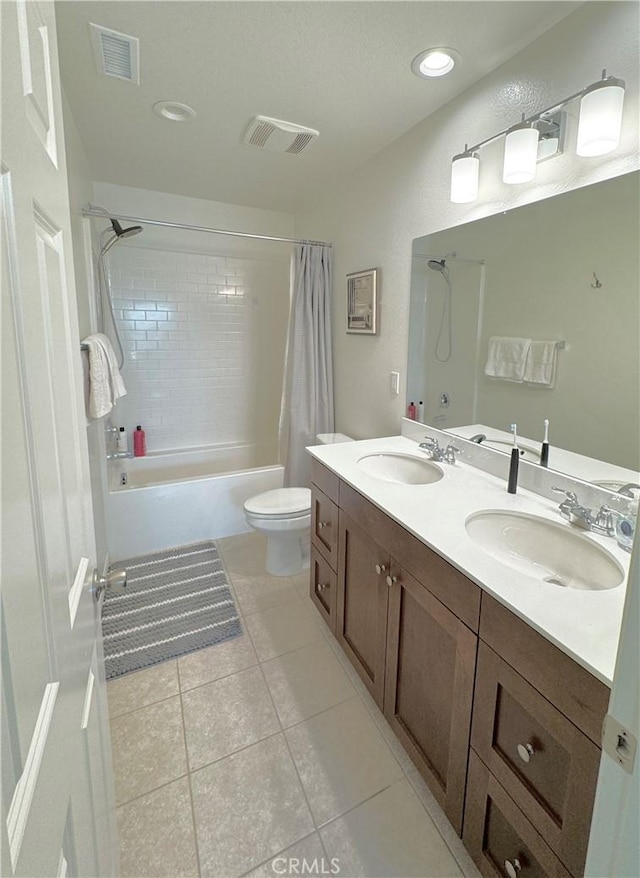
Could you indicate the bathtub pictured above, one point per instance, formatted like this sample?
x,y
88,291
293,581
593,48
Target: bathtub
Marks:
x,y
174,498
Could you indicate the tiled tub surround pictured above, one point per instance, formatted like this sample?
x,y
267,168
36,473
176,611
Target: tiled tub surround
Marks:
x,y
204,340
583,624
249,756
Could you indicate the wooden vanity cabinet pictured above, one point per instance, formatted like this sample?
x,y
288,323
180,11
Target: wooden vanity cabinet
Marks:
x,y
363,593
498,836
430,665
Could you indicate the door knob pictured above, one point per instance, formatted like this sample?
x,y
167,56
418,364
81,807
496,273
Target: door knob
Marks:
x,y
115,580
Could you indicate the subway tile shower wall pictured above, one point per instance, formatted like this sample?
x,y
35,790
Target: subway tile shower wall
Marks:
x,y
204,339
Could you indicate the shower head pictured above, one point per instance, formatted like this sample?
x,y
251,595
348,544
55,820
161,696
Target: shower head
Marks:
x,y
437,265
125,233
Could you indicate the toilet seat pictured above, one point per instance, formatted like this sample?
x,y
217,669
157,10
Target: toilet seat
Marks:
x,y
280,503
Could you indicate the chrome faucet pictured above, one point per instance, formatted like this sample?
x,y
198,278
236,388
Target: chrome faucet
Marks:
x,y
627,490
433,451
601,522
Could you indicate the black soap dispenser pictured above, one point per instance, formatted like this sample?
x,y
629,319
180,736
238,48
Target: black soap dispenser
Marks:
x,y
513,466
544,450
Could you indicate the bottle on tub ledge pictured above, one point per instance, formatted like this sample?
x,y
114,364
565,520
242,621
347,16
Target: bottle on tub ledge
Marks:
x,y
411,411
139,442
122,440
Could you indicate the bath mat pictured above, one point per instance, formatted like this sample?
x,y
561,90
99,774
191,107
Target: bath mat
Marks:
x,y
175,602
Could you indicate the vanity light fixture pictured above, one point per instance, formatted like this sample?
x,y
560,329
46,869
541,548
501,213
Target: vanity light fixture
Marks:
x,y
435,62
541,136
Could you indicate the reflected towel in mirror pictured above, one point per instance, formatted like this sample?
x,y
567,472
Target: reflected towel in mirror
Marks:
x,y
507,357
541,363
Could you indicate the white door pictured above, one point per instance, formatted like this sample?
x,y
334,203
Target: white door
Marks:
x,y
57,798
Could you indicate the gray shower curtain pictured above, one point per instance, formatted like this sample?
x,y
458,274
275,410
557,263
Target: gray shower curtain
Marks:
x,y
307,397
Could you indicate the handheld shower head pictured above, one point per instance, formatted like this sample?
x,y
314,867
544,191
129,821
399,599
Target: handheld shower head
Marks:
x,y
125,233
437,264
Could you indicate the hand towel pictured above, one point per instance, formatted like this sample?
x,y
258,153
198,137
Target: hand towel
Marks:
x,y
541,363
506,358
105,382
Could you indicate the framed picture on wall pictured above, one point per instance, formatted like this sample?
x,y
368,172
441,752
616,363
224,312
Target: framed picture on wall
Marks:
x,y
362,301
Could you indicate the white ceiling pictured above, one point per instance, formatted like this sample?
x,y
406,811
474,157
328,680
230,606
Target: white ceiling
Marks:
x,y
340,67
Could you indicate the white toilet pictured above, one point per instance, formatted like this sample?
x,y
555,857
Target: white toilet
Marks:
x,y
284,517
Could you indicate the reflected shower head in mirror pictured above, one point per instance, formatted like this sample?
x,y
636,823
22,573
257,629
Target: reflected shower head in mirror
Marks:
x,y
440,265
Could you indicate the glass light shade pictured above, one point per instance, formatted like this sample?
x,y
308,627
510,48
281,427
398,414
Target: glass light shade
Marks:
x,y
600,117
465,170
520,154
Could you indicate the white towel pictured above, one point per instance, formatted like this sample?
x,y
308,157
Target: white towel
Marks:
x,y
506,358
541,363
105,382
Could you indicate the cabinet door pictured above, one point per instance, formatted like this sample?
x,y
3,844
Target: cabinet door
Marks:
x,y
542,760
361,625
430,668
324,526
323,587
498,836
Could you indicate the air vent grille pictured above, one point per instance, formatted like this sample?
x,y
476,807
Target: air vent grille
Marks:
x,y
275,135
116,54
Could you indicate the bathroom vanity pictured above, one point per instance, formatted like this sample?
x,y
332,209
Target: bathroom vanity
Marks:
x,y
502,720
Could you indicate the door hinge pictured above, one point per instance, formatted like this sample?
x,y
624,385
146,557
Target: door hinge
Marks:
x,y
619,743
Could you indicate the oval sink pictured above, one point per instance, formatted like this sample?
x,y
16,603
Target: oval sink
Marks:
x,y
545,550
402,469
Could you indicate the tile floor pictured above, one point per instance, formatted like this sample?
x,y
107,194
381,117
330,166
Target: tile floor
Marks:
x,y
249,757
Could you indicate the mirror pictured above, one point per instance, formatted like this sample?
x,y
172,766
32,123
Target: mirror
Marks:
x,y
565,269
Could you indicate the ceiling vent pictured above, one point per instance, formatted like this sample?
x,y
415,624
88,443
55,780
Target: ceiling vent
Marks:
x,y
275,135
116,54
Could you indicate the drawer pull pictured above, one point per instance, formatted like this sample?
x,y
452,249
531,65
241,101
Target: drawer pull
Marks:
x,y
391,580
512,869
525,752
322,524
380,568
323,585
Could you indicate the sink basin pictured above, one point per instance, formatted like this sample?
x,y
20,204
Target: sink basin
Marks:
x,y
545,550
403,469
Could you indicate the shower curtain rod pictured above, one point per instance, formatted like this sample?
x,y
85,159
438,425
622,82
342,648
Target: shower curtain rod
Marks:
x,y
138,219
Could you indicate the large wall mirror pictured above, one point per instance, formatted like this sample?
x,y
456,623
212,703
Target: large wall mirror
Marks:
x,y
564,269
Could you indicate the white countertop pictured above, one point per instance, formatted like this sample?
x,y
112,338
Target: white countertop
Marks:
x,y
583,624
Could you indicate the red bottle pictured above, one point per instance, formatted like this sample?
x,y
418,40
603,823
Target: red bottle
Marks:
x,y
139,442
411,411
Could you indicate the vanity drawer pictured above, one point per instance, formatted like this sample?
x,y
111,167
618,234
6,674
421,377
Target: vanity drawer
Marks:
x,y
572,689
498,836
548,767
324,525
323,588
323,478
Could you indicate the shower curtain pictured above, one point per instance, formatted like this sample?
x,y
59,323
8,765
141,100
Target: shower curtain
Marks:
x,y
307,397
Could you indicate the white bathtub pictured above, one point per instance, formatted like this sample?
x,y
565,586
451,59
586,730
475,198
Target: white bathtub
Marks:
x,y
176,498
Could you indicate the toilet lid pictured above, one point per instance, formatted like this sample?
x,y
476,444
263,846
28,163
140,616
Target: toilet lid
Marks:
x,y
281,501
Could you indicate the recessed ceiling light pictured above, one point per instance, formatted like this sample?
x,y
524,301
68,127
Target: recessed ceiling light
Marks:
x,y
173,111
435,62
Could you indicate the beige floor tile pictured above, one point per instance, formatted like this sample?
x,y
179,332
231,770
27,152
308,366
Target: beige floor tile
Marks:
x,y
290,862
142,688
306,682
387,732
342,759
148,749
261,591
244,554
282,629
157,836
248,807
443,826
224,716
214,662
389,836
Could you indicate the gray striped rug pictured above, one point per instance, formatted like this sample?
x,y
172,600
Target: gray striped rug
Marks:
x,y
175,602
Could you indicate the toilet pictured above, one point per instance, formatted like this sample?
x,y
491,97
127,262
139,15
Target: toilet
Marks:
x,y
283,515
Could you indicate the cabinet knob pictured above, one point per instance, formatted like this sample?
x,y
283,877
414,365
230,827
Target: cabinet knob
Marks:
x,y
322,524
512,868
391,580
526,751
380,568
322,585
